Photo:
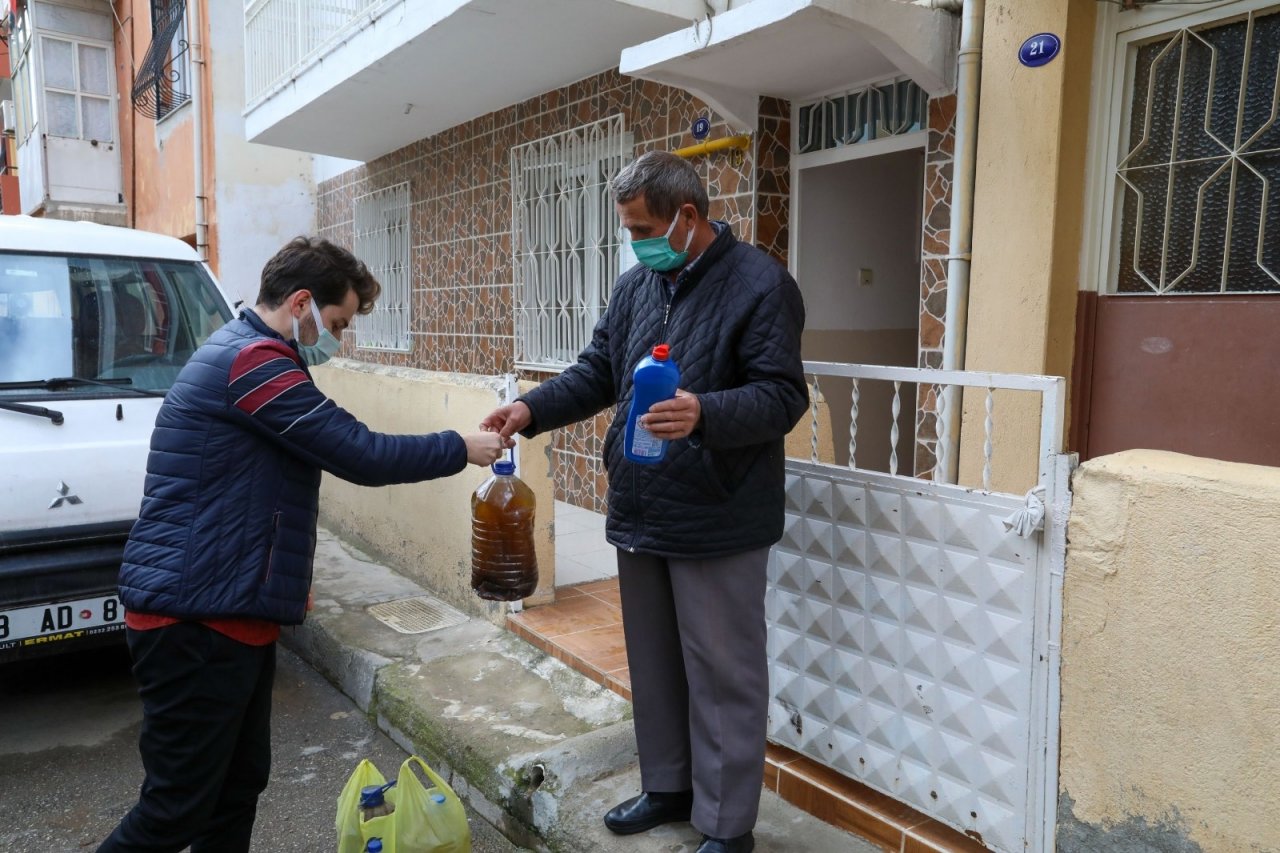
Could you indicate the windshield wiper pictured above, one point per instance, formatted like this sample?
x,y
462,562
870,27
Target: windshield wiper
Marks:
x,y
38,411
115,384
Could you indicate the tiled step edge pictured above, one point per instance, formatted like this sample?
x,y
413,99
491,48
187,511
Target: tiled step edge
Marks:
x,y
822,792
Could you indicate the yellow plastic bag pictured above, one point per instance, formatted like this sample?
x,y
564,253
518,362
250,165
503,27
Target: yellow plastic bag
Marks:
x,y
425,820
352,836
428,820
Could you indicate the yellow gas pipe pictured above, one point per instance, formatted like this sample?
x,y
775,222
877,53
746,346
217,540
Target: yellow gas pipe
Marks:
x,y
741,142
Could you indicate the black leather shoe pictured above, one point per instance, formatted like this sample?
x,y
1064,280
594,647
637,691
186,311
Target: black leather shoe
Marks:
x,y
744,843
648,810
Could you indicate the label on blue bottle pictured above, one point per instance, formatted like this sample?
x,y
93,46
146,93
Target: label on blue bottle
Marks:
x,y
643,443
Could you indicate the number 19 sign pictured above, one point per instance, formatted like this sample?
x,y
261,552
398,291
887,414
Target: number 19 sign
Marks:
x,y
1039,50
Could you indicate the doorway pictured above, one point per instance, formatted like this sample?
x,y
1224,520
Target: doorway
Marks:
x,y
857,259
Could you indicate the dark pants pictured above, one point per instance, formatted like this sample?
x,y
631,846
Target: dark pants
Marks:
x,y
205,743
695,635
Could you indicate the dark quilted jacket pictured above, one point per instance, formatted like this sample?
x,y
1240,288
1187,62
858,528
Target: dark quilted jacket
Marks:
x,y
734,328
228,520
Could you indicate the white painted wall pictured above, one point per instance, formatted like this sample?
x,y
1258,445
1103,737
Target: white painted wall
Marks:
x,y
861,214
324,168
265,195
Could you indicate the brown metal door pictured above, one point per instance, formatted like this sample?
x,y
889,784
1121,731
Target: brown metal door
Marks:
x,y
1192,374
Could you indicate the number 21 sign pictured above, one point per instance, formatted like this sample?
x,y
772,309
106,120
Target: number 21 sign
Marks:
x,y
1039,50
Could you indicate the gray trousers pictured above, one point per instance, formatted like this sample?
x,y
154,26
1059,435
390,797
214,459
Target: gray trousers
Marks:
x,y
695,635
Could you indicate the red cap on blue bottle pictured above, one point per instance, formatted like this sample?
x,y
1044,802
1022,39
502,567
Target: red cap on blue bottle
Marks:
x,y
661,352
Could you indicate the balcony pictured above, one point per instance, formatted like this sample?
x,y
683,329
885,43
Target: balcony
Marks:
x,y
65,127
361,78
795,49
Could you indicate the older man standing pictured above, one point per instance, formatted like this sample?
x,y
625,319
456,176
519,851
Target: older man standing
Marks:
x,y
693,532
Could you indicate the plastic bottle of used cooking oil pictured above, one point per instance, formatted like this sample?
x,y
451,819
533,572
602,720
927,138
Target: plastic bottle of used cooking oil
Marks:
x,y
504,566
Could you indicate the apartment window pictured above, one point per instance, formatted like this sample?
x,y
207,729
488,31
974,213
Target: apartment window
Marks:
x,y
1197,160
565,238
23,77
77,89
382,242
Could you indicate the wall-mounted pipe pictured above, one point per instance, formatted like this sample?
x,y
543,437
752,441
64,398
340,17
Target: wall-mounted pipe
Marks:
x,y
968,81
741,142
197,125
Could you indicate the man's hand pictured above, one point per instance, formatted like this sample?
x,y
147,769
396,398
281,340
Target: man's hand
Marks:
x,y
508,420
674,418
485,448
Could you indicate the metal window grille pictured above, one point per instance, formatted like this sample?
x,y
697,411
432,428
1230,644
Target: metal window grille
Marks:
x,y
382,242
565,238
1198,160
860,115
163,82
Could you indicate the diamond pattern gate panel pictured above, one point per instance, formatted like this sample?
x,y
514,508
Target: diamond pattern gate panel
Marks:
x,y
910,636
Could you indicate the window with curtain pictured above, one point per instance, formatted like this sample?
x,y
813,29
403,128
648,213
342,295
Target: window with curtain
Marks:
x,y
77,89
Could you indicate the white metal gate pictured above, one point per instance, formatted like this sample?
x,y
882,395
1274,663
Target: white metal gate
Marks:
x,y
913,625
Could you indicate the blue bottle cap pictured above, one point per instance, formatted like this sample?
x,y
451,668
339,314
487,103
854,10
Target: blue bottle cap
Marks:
x,y
372,795
439,798
375,846
504,466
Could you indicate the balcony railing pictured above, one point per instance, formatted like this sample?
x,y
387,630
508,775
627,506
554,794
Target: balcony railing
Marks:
x,y
283,37
163,81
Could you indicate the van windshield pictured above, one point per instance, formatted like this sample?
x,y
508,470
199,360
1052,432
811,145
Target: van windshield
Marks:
x,y
131,321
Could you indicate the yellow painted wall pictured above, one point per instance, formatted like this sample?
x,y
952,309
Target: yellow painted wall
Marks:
x,y
1028,207
1171,656
424,529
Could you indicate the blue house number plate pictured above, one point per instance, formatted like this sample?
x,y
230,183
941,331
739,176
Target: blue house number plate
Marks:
x,y
1039,50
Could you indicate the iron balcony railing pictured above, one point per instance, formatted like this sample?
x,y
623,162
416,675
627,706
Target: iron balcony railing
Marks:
x,y
162,83
282,38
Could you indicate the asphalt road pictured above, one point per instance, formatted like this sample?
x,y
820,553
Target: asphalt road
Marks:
x,y
69,765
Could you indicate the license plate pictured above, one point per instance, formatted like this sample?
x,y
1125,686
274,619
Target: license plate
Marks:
x,y
66,620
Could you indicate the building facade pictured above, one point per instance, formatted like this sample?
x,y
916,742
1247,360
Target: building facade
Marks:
x,y
118,106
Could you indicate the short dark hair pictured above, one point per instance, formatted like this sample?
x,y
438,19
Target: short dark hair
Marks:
x,y
324,268
666,181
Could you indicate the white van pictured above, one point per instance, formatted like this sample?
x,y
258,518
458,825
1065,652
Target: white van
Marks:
x,y
95,323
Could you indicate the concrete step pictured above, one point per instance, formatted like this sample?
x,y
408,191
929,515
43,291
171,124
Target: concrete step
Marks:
x,y
537,749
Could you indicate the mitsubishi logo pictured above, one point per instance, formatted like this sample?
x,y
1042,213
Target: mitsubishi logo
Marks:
x,y
64,496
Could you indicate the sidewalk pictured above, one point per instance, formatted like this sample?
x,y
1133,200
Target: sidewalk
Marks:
x,y
537,749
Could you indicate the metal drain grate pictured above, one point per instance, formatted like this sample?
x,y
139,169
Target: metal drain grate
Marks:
x,y
417,615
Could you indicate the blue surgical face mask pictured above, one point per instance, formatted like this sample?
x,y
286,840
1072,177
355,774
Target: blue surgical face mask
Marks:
x,y
656,252
326,345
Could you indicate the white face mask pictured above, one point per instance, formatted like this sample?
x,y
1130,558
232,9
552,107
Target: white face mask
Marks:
x,y
326,345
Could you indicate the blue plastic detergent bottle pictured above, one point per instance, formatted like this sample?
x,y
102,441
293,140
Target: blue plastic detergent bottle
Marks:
x,y
655,379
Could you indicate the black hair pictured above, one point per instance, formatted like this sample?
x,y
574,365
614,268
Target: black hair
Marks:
x,y
326,269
